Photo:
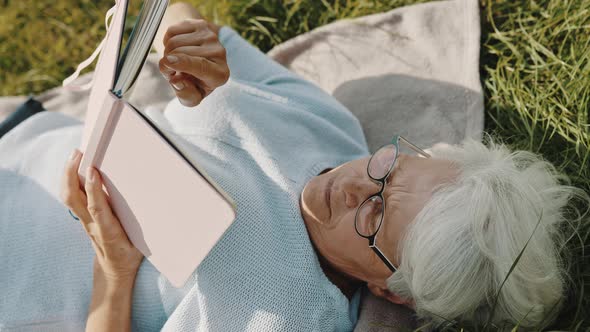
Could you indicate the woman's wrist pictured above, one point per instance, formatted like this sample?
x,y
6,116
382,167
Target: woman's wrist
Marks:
x,y
112,297
113,284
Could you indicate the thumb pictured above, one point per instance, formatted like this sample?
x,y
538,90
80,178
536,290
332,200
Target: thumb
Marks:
x,y
186,90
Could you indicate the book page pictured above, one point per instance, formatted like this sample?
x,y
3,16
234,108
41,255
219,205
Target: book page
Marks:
x,y
143,30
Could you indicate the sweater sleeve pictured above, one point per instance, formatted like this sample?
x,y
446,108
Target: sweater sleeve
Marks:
x,y
249,64
246,62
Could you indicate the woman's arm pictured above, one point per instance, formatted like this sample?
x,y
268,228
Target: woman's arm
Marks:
x,y
116,261
110,308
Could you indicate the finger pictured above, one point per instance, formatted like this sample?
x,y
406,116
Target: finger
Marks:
x,y
211,73
98,206
71,194
166,71
188,93
214,52
106,231
186,26
196,38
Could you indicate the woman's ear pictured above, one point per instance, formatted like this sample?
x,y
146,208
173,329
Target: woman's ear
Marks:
x,y
390,296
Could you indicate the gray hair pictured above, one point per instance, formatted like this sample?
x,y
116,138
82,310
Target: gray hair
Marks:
x,y
459,249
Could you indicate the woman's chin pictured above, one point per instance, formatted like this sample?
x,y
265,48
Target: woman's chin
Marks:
x,y
310,209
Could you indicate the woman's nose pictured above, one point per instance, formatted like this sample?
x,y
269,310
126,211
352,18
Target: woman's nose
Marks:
x,y
356,190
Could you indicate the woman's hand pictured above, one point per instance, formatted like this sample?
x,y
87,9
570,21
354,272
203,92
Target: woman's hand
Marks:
x,y
194,60
116,258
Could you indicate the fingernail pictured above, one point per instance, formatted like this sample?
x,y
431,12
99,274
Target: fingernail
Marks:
x,y
185,102
74,155
178,85
91,174
172,58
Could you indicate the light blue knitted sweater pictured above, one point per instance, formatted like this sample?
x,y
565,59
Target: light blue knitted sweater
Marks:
x,y
261,137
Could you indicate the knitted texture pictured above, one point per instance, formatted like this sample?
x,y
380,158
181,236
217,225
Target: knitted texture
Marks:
x,y
261,137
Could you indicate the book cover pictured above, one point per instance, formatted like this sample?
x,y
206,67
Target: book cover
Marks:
x,y
170,209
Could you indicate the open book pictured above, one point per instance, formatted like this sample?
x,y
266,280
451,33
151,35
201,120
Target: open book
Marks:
x,y
171,211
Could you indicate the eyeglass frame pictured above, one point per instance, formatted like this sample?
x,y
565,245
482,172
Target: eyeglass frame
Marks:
x,y
373,238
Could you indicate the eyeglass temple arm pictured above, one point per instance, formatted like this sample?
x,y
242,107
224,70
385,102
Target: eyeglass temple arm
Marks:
x,y
413,147
383,258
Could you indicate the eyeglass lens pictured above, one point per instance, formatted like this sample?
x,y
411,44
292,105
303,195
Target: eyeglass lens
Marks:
x,y
369,216
382,161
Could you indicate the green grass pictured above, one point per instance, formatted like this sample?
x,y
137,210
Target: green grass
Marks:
x,y
535,66
536,77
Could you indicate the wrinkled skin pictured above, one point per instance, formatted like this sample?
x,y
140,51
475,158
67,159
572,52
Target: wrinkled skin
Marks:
x,y
331,228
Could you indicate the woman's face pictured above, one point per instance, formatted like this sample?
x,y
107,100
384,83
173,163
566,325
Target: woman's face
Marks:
x,y
330,200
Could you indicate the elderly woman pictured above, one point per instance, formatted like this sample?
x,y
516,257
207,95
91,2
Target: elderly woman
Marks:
x,y
318,216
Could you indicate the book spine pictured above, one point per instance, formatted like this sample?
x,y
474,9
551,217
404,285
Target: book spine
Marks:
x,y
105,72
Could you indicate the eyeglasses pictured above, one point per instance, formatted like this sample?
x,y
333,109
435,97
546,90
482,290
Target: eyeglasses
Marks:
x,y
369,215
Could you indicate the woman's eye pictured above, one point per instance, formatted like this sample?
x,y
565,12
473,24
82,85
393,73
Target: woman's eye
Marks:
x,y
378,209
376,206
